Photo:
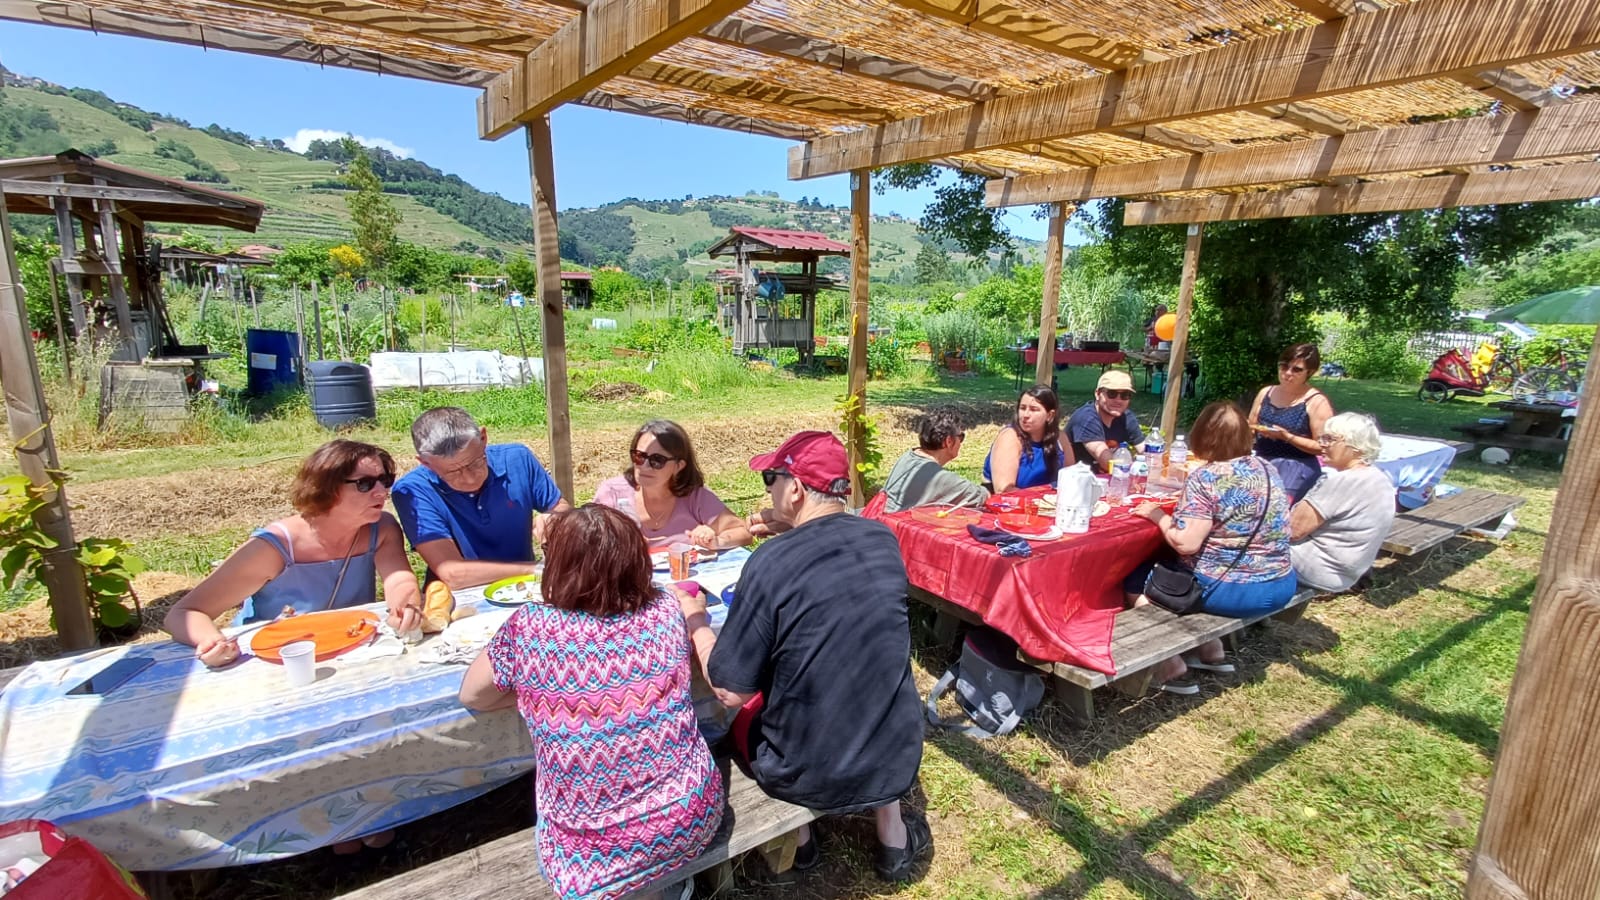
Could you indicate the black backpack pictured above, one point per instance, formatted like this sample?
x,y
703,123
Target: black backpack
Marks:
x,y
994,688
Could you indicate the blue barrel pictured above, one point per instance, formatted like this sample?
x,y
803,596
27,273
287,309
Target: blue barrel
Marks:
x,y
274,360
341,392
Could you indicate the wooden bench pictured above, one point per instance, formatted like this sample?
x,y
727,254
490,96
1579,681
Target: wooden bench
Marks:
x,y
1443,518
506,868
1140,640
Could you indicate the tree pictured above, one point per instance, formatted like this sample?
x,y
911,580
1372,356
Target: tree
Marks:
x,y
957,212
523,275
375,219
933,264
305,263
1260,281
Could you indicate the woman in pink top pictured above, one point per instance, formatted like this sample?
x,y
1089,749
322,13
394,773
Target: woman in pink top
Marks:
x,y
664,490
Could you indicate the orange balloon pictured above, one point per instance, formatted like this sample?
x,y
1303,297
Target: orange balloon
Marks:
x,y
1167,326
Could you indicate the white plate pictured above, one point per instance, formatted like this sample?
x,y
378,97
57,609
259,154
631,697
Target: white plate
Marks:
x,y
1049,535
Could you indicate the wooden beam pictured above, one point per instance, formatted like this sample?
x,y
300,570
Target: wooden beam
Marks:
x,y
1180,335
1518,91
16,187
1312,118
1003,21
1050,307
35,450
1334,9
860,274
1544,795
1576,181
552,312
714,118
215,37
1572,129
607,39
106,226
1416,41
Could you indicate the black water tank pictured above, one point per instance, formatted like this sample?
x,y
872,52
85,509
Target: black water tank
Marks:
x,y
341,392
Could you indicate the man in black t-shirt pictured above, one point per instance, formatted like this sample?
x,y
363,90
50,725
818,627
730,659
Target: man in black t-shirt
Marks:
x,y
817,652
1097,428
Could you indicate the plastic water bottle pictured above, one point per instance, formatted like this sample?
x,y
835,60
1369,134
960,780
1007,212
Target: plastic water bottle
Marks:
x,y
1140,483
1154,446
1177,460
1121,475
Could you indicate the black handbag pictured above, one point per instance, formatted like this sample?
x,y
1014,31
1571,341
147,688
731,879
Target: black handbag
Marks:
x,y
1172,586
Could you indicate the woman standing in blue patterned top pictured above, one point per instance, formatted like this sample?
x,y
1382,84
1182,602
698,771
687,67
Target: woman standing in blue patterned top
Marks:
x,y
1226,501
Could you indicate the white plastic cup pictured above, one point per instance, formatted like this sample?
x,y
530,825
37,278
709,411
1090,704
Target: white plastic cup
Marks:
x,y
299,662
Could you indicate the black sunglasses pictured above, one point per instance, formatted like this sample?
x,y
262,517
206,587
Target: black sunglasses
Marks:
x,y
769,477
655,460
366,483
1118,395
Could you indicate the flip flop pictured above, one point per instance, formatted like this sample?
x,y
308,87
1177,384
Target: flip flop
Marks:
x,y
1220,666
1185,688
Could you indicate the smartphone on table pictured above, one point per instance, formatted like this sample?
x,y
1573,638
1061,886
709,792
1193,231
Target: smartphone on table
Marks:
x,y
111,677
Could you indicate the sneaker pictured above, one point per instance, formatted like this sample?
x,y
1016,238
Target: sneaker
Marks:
x,y
807,855
1221,665
895,863
1186,688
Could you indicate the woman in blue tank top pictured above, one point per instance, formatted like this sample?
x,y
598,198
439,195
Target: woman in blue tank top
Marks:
x,y
1288,418
328,555
1027,452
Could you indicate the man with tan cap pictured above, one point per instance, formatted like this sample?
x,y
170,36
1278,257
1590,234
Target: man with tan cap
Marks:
x,y
816,655
1100,426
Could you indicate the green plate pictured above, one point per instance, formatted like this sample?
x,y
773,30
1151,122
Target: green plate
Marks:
x,y
514,591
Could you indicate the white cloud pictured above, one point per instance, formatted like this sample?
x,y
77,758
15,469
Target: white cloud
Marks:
x,y
303,138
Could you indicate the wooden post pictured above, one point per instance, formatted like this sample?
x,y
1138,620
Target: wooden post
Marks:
x,y
108,252
860,259
29,421
1180,337
300,330
1536,837
61,330
69,250
542,165
1045,371
255,305
422,342
316,316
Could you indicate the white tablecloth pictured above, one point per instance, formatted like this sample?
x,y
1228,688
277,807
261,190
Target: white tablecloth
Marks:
x,y
1415,465
187,768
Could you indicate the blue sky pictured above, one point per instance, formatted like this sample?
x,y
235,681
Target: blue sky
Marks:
x,y
600,156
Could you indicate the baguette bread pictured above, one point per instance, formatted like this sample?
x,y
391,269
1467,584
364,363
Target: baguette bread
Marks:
x,y
437,605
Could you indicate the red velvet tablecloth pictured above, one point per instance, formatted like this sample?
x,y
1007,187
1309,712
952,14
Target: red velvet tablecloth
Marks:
x,y
1078,357
1058,604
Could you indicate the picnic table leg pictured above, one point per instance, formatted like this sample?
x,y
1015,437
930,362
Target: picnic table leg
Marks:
x,y
716,879
945,628
1079,701
779,852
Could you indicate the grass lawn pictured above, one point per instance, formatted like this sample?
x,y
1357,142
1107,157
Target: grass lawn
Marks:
x,y
1347,758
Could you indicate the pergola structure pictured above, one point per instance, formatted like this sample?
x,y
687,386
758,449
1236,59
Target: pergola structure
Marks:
x,y
1227,109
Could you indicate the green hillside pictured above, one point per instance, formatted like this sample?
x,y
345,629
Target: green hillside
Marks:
x,y
653,238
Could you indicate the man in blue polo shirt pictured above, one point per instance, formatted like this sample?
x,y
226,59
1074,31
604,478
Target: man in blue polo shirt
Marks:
x,y
469,509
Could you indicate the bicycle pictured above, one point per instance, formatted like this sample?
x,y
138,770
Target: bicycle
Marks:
x,y
1561,372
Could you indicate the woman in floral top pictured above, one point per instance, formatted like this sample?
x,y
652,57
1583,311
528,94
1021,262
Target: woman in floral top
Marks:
x,y
1225,501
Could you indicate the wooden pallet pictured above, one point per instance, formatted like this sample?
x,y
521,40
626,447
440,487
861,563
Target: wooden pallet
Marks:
x,y
1140,640
1441,519
506,868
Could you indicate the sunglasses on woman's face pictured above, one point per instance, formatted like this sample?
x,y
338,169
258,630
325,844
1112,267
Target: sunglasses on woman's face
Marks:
x,y
366,483
653,460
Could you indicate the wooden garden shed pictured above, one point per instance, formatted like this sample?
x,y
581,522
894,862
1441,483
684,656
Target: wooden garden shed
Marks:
x,y
1208,111
761,297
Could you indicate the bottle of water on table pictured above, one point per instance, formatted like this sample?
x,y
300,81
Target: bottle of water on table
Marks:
x,y
1154,447
1121,475
1178,460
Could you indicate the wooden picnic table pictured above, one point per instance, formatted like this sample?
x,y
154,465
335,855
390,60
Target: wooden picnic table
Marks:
x,y
184,767
1533,426
1059,604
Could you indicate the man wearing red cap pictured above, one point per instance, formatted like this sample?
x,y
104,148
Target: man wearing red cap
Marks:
x,y
816,653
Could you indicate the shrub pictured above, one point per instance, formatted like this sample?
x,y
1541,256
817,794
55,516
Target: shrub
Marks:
x,y
957,333
886,358
1378,356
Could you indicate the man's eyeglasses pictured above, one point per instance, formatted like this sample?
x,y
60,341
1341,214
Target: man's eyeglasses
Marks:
x,y
1118,395
366,483
653,460
769,477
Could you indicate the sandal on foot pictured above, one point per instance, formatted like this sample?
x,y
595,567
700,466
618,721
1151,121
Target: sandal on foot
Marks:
x,y
1221,665
807,855
1186,688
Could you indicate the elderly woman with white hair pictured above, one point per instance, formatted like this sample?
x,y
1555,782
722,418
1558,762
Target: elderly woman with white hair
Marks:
x,y
1339,527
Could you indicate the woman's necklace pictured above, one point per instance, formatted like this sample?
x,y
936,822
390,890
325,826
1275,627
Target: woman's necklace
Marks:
x,y
654,522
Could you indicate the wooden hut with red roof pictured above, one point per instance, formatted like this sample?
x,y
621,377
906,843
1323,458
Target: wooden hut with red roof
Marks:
x,y
771,308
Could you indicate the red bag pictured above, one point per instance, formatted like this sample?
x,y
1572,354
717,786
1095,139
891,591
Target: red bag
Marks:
x,y
46,863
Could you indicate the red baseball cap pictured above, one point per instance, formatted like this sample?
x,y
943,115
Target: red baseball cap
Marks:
x,y
817,458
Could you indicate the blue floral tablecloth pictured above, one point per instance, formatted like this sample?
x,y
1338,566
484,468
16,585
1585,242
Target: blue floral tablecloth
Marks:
x,y
187,768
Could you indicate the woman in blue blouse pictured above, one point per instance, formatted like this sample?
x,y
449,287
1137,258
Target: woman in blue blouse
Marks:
x,y
1027,452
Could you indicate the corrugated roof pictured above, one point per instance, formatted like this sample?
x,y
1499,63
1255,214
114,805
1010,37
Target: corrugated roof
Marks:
x,y
780,239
